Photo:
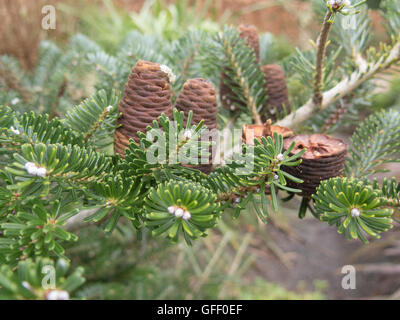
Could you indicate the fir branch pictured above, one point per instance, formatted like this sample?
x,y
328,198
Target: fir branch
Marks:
x,y
36,231
321,52
40,165
95,116
353,35
10,80
390,191
246,78
355,208
17,129
182,57
374,143
391,13
343,88
25,282
96,125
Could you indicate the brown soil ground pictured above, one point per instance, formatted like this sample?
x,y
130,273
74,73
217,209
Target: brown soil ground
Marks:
x,y
315,251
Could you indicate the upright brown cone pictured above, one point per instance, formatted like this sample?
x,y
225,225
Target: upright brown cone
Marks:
x,y
250,33
228,99
324,159
199,95
146,95
278,95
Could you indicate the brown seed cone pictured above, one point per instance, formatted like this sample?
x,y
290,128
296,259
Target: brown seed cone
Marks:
x,y
250,33
147,94
277,91
199,95
324,159
228,100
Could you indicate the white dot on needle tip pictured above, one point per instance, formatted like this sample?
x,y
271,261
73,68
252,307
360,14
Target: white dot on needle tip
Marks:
x,y
171,210
355,212
179,213
186,215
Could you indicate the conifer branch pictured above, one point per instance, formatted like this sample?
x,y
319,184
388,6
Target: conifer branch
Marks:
x,y
245,86
322,42
343,88
12,82
96,125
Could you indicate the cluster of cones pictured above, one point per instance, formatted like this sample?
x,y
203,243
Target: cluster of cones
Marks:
x,y
276,88
147,95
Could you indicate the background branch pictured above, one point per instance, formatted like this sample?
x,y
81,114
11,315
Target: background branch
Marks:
x,y
365,72
321,52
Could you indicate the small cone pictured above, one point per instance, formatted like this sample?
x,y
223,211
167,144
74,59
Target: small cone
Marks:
x,y
146,95
199,96
228,99
250,33
324,159
277,91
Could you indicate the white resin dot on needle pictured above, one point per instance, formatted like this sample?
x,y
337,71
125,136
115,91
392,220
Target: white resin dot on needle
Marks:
x,y
168,71
41,172
186,215
57,295
171,210
280,157
355,212
179,213
15,131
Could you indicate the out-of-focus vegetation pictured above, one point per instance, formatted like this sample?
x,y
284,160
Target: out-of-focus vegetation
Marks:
x,y
107,23
120,266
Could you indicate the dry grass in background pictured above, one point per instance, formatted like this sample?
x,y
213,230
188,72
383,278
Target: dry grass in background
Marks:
x,y
21,32
21,28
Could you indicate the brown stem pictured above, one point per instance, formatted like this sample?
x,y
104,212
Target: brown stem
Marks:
x,y
95,126
321,52
246,89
